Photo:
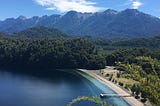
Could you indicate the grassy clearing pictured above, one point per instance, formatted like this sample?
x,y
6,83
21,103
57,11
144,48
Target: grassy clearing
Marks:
x,y
126,81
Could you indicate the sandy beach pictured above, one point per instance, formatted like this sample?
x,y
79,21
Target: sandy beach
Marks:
x,y
131,100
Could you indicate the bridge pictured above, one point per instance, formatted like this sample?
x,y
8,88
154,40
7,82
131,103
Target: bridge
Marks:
x,y
114,95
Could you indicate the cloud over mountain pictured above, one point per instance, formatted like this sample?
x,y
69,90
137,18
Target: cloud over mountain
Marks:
x,y
68,5
136,4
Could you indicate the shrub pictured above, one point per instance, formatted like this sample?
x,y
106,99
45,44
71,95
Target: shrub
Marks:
x,y
121,84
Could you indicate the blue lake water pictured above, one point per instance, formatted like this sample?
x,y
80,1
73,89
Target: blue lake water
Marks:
x,y
56,88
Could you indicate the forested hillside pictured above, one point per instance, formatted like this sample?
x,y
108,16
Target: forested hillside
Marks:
x,y
49,53
40,32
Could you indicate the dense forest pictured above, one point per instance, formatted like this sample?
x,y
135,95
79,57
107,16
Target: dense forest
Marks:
x,y
49,53
42,47
39,32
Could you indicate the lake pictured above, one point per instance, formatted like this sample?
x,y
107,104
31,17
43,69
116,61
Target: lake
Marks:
x,y
52,88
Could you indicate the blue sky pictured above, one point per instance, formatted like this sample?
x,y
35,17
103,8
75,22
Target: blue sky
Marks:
x,y
29,8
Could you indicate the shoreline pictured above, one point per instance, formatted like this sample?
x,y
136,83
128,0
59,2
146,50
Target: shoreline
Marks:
x,y
130,100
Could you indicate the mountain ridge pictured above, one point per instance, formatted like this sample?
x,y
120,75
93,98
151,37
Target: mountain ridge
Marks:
x,y
109,23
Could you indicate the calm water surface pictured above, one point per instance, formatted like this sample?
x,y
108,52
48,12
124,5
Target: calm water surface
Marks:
x,y
55,89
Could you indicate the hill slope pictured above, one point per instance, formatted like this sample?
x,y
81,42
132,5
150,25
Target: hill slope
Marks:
x,y
40,33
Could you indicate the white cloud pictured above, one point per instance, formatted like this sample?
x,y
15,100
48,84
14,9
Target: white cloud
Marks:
x,y
67,5
136,4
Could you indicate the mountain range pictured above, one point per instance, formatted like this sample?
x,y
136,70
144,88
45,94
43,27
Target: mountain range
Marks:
x,y
109,24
